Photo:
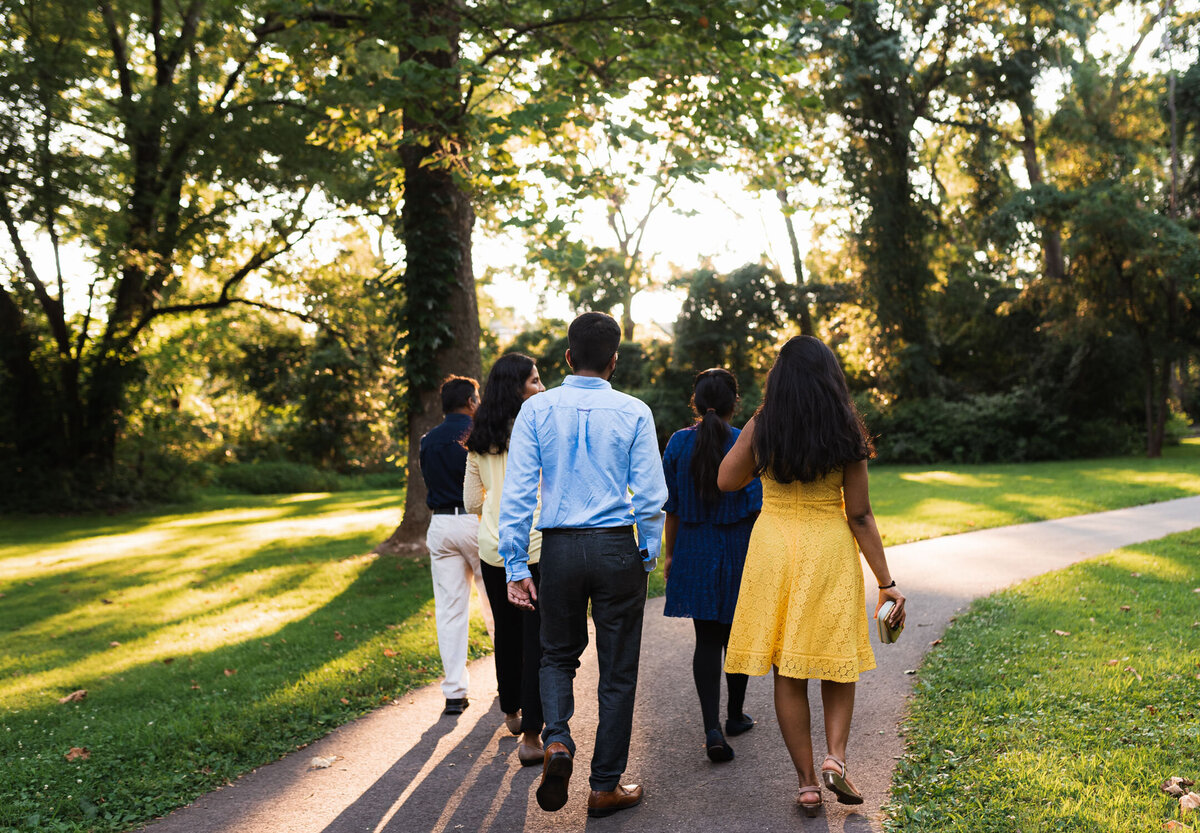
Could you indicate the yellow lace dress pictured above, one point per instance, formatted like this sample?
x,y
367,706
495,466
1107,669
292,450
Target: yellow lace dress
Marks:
x,y
801,605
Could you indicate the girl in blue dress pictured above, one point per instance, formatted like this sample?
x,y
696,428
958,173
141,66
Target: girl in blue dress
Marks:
x,y
704,549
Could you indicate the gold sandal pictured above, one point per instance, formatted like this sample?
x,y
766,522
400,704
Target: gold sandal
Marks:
x,y
836,782
810,808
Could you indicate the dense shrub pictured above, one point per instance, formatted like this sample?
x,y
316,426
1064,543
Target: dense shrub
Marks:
x,y
275,478
287,478
1008,427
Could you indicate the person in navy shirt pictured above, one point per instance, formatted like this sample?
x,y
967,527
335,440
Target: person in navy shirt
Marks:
x,y
595,453
704,549
452,538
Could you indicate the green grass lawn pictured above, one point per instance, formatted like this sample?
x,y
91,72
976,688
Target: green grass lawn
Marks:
x,y
1062,703
210,640
216,637
912,503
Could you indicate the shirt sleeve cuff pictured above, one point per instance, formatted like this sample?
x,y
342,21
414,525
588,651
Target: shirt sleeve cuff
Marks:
x,y
518,572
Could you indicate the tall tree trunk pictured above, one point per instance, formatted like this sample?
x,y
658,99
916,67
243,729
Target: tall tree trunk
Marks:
x,y
441,312
627,324
880,106
1052,250
806,320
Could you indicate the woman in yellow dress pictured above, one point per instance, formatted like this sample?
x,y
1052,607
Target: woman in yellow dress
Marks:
x,y
801,607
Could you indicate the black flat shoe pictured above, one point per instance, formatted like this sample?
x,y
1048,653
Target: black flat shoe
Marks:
x,y
456,706
716,747
738,725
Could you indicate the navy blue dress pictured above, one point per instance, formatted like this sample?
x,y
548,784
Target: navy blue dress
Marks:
x,y
710,547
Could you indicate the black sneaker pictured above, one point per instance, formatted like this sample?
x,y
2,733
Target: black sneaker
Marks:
x,y
456,706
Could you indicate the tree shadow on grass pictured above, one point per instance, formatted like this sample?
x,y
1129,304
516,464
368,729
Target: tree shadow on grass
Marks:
x,y
95,600
48,530
208,717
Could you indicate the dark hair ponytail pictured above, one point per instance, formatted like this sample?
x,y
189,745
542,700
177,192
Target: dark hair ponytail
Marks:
x,y
714,399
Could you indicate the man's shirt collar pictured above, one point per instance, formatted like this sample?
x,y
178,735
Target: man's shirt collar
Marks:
x,y
593,382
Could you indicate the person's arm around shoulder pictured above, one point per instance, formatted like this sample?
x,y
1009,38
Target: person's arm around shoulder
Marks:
x,y
473,489
862,524
522,476
737,469
648,485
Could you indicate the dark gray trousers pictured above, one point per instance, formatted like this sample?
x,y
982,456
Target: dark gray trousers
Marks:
x,y
605,568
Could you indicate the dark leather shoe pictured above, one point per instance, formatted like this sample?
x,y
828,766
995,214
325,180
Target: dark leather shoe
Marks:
x,y
738,725
718,749
601,804
456,706
556,772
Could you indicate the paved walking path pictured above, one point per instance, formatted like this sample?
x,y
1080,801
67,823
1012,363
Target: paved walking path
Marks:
x,y
406,769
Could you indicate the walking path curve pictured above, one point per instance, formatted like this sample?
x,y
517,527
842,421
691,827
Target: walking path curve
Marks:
x,y
406,769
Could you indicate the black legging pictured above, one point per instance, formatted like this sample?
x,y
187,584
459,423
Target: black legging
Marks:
x,y
707,661
518,649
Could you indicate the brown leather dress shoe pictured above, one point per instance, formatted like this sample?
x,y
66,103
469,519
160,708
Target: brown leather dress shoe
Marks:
x,y
602,804
556,772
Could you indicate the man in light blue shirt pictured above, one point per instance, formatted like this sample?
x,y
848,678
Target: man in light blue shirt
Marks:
x,y
595,453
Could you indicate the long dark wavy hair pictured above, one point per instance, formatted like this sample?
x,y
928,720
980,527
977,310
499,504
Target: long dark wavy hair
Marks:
x,y
503,393
714,398
807,426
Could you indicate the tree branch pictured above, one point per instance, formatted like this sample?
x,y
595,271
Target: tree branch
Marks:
x,y
120,53
519,32
191,21
1123,68
51,307
273,23
156,20
260,258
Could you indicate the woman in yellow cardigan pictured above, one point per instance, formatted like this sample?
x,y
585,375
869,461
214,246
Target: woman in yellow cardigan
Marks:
x,y
518,649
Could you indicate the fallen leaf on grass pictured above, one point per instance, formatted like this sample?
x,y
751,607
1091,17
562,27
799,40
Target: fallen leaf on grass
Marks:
x,y
1191,801
345,702
229,672
1113,662
114,644
337,635
78,753
1176,827
388,652
168,660
936,642
74,696
1063,633
106,601
1134,672
1174,786
1136,575
1125,608
323,763
393,627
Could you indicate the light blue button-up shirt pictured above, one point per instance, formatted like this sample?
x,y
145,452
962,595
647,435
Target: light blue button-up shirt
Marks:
x,y
595,453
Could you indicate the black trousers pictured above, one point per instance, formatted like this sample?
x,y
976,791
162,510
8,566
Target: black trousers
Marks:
x,y
605,568
518,650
